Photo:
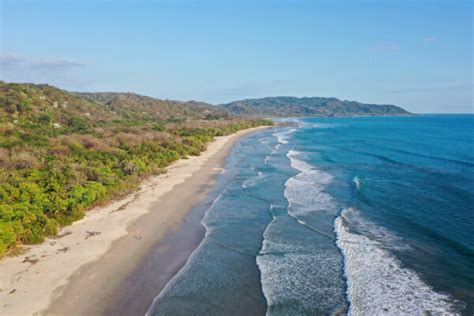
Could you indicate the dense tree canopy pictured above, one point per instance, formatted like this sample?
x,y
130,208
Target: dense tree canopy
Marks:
x,y
62,153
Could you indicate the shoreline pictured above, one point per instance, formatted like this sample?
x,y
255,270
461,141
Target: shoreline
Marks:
x,y
83,269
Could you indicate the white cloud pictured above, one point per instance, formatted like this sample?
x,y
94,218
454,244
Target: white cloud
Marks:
x,y
19,62
385,48
19,68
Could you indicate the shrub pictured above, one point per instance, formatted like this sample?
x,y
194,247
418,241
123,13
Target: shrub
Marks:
x,y
50,176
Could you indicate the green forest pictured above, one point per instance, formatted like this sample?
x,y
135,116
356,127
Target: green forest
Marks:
x,y
62,153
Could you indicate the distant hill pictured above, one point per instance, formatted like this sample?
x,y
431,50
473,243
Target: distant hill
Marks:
x,y
46,105
309,106
135,106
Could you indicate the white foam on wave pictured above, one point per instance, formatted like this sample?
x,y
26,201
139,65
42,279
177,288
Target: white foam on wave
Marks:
x,y
284,136
301,222
274,150
377,284
300,277
285,268
254,181
323,125
305,191
272,207
206,218
357,181
386,238
285,281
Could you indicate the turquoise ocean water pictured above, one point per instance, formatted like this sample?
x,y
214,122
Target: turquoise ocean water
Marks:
x,y
365,216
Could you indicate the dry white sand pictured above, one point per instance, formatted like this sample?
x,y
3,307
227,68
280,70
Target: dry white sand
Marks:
x,y
30,282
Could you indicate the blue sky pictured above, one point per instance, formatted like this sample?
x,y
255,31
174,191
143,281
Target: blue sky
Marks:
x,y
416,54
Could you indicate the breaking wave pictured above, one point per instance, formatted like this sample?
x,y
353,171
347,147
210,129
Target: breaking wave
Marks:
x,y
284,136
305,191
377,283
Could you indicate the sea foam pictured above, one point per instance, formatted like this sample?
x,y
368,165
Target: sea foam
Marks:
x,y
284,136
300,272
305,191
377,284
323,125
301,267
357,181
254,181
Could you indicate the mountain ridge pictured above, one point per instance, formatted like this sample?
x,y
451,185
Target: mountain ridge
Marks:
x,y
140,106
282,106
136,106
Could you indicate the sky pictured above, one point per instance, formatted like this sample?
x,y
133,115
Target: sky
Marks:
x,y
415,54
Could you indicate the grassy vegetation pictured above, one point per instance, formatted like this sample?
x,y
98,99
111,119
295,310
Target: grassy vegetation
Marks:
x,y
62,153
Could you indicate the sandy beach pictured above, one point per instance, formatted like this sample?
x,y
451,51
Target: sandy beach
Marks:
x,y
108,256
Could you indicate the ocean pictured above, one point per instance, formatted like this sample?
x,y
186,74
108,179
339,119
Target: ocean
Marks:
x,y
360,216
